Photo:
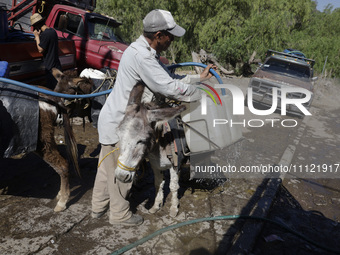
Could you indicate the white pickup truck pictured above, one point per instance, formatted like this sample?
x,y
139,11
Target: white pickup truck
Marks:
x,y
283,69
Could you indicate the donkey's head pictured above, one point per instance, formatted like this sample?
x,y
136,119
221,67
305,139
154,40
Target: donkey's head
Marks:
x,y
70,83
137,132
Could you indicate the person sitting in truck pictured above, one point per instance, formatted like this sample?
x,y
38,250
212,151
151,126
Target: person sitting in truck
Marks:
x,y
140,63
47,43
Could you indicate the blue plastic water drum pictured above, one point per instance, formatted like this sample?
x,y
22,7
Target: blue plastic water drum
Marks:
x,y
4,69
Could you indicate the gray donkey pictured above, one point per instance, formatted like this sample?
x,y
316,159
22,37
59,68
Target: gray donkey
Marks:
x,y
140,134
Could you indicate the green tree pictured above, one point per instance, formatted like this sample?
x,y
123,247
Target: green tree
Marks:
x,y
233,29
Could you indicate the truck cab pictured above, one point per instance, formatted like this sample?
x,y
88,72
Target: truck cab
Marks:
x,y
96,37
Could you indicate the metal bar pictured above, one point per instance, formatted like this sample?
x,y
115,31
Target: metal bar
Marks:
x,y
203,136
24,9
290,55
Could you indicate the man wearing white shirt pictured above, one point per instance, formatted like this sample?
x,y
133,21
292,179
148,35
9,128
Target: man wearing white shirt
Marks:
x,y
140,63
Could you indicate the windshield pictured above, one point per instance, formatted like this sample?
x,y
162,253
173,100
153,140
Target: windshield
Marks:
x,y
287,68
104,30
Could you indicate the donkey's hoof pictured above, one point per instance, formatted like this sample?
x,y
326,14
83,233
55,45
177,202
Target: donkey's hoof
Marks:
x,y
173,212
60,207
153,210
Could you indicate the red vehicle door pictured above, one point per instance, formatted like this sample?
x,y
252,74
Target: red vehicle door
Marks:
x,y
95,36
70,25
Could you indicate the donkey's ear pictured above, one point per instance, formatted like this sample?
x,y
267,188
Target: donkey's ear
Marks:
x,y
75,82
57,74
164,114
136,94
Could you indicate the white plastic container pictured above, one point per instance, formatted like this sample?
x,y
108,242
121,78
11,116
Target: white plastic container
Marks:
x,y
93,73
203,135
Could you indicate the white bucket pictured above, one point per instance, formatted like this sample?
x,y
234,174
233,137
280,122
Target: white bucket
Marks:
x,y
202,135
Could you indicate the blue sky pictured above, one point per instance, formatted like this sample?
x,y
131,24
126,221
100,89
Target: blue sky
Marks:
x,y
323,3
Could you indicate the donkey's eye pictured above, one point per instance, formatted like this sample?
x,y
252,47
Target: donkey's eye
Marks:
x,y
141,142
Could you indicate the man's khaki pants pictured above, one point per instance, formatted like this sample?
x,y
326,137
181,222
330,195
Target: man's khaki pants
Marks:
x,y
109,191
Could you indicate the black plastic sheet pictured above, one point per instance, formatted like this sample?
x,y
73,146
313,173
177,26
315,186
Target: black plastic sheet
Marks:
x,y
98,102
19,120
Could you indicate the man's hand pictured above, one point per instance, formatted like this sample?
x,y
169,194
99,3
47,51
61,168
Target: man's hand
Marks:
x,y
37,39
205,75
36,33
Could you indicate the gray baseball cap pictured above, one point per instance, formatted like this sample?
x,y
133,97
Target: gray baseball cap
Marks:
x,y
158,20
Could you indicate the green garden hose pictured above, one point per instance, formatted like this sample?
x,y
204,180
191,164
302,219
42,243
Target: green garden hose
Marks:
x,y
226,217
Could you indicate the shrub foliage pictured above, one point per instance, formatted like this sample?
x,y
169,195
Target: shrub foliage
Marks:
x,y
233,29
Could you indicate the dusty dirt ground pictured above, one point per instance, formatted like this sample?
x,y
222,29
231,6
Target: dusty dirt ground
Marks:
x,y
308,206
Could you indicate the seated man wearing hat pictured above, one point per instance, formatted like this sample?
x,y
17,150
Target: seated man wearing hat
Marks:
x,y
140,63
47,44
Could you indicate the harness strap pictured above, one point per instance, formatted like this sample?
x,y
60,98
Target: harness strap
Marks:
x,y
124,167
171,149
120,164
110,79
107,155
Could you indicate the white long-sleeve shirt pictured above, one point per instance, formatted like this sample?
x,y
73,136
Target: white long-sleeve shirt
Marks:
x,y
139,63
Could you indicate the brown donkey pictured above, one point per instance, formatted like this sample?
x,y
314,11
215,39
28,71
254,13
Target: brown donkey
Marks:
x,y
51,112
47,147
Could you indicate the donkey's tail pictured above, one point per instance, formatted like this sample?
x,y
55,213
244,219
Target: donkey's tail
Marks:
x,y
71,144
